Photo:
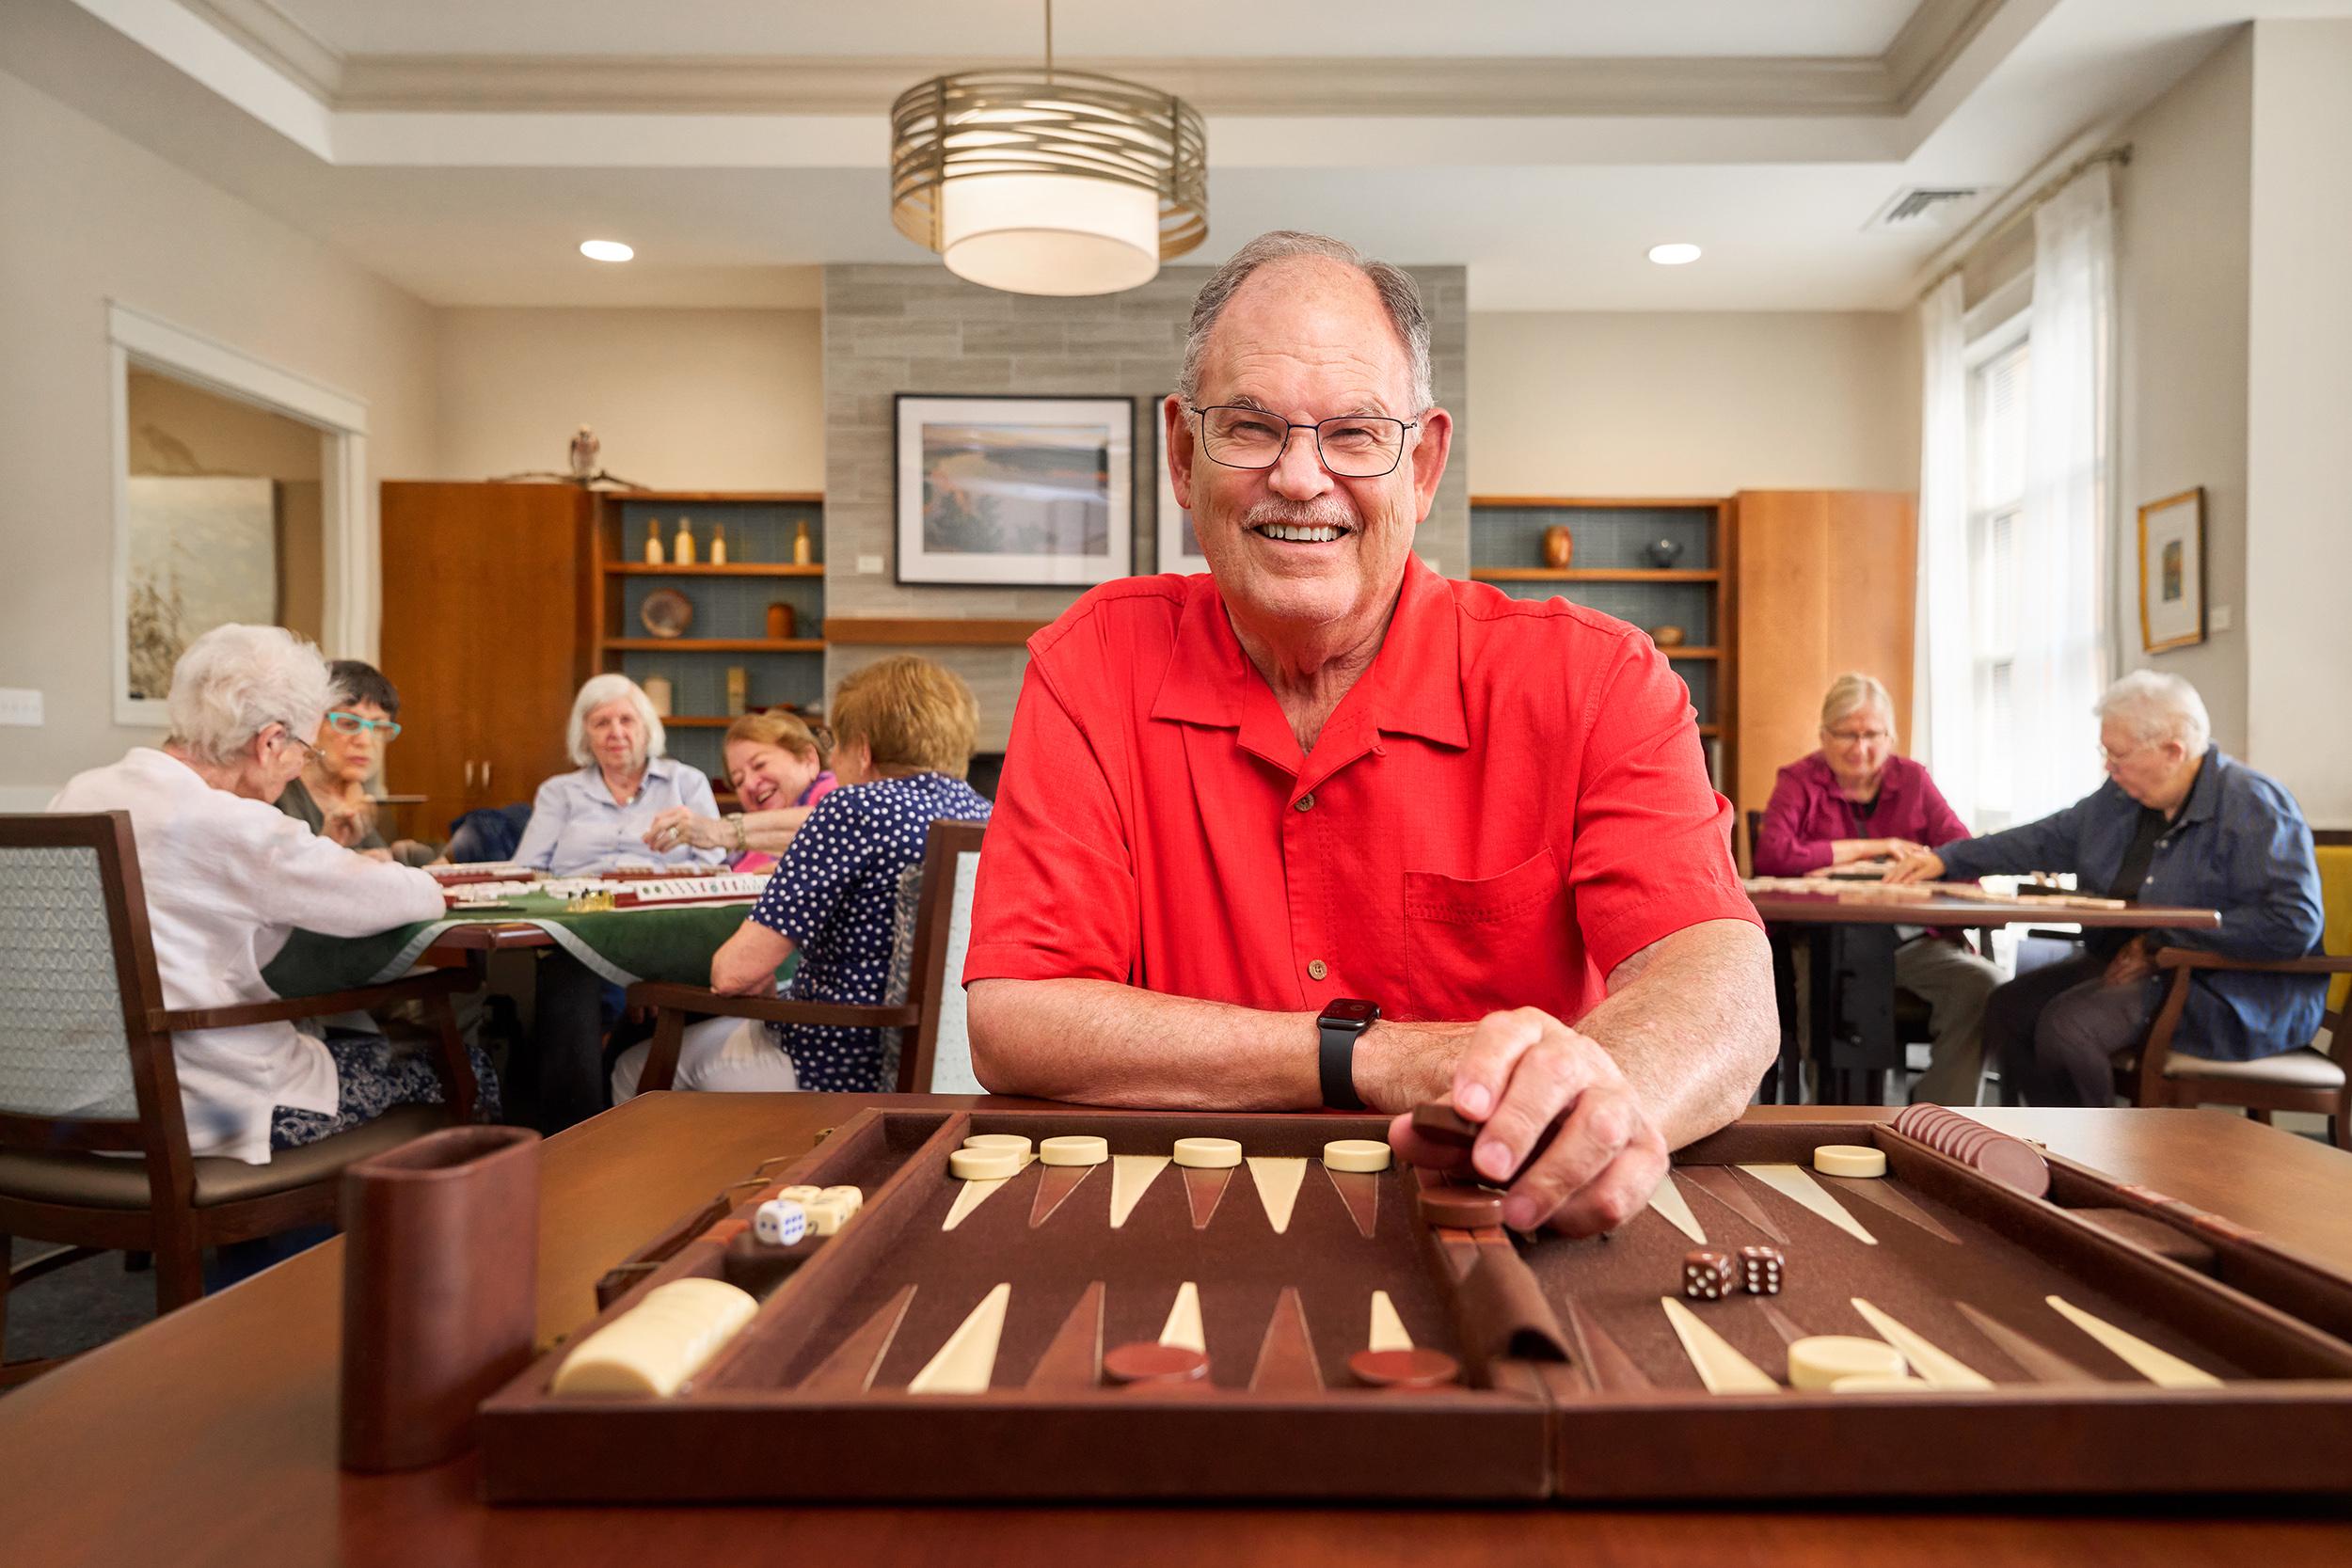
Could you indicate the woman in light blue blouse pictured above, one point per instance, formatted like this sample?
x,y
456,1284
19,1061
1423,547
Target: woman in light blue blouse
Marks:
x,y
595,819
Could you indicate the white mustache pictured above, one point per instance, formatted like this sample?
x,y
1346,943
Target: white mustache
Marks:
x,y
1326,513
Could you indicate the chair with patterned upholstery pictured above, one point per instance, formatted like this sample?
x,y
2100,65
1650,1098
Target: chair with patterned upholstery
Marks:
x,y
930,936
93,1140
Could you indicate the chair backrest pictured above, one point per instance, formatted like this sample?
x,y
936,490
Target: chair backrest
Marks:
x,y
1755,825
939,1061
80,1062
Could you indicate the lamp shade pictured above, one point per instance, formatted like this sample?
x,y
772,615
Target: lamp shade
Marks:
x,y
1048,184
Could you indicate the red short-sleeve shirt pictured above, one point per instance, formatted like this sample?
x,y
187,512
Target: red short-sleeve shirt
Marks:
x,y
1507,805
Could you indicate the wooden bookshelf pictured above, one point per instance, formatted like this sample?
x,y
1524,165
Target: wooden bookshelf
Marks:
x,y
1594,574
732,569
713,644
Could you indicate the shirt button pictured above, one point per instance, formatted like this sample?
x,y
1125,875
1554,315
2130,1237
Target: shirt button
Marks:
x,y
1317,968
1307,801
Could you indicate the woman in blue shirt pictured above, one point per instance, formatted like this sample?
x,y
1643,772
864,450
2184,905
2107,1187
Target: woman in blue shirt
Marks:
x,y
904,731
595,819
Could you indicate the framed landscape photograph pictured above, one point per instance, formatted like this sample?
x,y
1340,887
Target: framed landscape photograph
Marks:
x,y
1015,490
1180,548
2172,570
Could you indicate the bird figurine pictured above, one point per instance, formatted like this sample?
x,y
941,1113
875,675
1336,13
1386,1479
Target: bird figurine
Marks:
x,y
584,449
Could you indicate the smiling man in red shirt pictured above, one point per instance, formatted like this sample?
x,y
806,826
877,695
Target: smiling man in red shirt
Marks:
x,y
1324,829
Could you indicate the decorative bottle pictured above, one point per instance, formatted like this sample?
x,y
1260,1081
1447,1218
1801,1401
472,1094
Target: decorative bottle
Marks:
x,y
739,691
658,692
653,542
803,548
682,548
718,543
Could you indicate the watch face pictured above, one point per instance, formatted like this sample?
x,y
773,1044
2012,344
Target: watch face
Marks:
x,y
1347,1010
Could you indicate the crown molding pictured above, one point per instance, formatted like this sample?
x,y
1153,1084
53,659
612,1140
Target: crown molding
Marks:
x,y
1930,43
276,38
1259,87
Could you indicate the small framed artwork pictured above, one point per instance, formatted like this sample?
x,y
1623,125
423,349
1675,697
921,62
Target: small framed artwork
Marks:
x,y
1180,548
2172,570
1021,491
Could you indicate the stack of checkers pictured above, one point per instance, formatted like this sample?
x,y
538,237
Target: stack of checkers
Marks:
x,y
2011,1161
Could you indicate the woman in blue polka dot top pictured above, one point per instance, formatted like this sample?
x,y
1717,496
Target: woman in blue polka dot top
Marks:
x,y
905,729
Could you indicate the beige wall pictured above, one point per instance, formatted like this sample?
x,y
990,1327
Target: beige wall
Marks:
x,y
2181,242
2300,417
1693,403
92,218
699,400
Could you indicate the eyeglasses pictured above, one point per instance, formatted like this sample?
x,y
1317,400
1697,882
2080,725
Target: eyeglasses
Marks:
x,y
309,752
351,723
1352,445
1857,738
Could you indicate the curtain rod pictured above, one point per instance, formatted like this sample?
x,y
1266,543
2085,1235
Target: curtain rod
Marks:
x,y
2120,156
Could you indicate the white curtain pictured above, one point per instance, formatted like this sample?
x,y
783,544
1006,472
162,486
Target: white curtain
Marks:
x,y
1942,703
2062,581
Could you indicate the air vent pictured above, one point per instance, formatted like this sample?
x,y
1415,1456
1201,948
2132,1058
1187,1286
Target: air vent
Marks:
x,y
1926,207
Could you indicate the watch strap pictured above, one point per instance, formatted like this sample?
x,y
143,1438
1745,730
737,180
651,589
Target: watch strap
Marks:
x,y
1336,1063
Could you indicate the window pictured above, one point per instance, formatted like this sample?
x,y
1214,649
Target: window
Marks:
x,y
1997,504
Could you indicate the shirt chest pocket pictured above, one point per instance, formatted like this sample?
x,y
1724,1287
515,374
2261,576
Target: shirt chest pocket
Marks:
x,y
1475,945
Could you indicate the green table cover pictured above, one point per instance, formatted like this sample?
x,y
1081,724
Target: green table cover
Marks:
x,y
620,945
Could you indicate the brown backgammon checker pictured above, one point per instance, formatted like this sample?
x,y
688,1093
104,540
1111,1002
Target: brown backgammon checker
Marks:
x,y
1463,1207
440,1290
1148,1362
2011,1161
1441,1123
1418,1368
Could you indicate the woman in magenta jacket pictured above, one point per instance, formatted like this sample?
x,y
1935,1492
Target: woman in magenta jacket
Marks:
x,y
1853,800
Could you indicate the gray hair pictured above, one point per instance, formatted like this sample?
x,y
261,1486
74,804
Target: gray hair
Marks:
x,y
2157,707
236,681
1396,289
1850,693
604,688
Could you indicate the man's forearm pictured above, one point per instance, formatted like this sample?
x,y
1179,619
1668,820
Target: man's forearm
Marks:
x,y
1692,1021
1103,1043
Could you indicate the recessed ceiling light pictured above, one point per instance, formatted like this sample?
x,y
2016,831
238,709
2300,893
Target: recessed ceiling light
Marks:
x,y
613,250
1674,255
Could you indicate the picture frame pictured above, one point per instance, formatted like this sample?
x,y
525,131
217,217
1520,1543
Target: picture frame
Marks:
x,y
2172,570
1179,546
1007,490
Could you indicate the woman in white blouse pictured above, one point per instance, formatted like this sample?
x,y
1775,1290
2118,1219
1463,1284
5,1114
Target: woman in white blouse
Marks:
x,y
229,875
595,819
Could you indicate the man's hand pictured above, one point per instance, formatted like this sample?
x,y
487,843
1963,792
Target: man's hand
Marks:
x,y
2130,964
1517,1073
1924,866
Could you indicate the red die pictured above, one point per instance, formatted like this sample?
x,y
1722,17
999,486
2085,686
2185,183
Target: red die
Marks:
x,y
1760,1270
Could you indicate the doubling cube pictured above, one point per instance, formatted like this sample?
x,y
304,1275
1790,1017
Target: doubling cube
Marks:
x,y
1708,1275
1760,1270
780,1222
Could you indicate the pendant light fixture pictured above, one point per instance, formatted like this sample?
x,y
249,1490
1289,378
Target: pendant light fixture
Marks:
x,y
1052,182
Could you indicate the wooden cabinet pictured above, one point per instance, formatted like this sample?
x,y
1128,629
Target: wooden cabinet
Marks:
x,y
488,630
1823,581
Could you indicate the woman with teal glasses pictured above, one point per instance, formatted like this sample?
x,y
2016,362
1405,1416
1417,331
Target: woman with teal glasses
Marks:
x,y
362,718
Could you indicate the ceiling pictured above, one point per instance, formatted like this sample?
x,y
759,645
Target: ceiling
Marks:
x,y
462,150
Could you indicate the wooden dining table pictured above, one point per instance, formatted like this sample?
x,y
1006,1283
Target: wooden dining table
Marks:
x,y
1840,974
209,1436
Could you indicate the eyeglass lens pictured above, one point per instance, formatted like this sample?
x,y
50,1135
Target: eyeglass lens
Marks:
x,y
1355,446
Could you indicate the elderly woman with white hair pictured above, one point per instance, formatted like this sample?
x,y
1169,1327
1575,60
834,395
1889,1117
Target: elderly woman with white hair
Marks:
x,y
596,819
2178,822
229,877
1857,799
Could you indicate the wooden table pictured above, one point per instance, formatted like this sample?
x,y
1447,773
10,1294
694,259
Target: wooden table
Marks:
x,y
208,1438
1842,977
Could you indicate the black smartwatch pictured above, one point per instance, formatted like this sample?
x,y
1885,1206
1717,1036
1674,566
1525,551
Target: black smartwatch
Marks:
x,y
1342,1019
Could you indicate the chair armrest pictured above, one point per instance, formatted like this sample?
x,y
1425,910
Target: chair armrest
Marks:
x,y
437,982
665,996
2191,958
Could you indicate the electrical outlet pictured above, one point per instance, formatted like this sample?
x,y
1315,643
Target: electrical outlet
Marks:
x,y
19,706
869,565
